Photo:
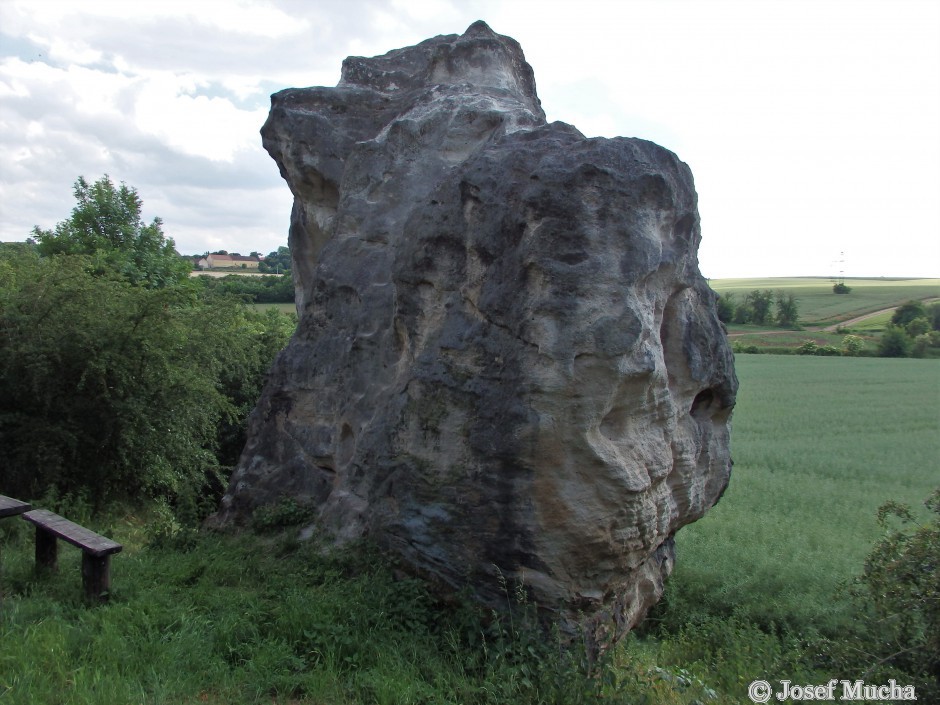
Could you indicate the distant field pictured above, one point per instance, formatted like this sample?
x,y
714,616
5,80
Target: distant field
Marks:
x,y
283,308
781,341
820,306
818,445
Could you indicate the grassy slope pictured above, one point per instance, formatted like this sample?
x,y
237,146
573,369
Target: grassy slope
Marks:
x,y
819,306
818,444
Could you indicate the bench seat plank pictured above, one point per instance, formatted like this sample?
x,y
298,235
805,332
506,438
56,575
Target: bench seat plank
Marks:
x,y
79,536
11,507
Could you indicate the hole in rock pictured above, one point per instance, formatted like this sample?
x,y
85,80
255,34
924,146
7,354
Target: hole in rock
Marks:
x,y
702,404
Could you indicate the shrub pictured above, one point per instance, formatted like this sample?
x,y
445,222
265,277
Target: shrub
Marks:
x,y
808,347
841,288
918,326
852,346
900,592
827,351
119,390
894,342
907,312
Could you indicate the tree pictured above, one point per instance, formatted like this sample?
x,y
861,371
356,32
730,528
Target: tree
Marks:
x,y
918,326
725,306
760,304
841,288
907,312
894,342
106,226
123,391
277,262
787,309
933,313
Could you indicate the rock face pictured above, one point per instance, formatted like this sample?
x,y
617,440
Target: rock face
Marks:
x,y
507,364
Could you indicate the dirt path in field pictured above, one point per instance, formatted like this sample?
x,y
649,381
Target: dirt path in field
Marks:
x,y
825,329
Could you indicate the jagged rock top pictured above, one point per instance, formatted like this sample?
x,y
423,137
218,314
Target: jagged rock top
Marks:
x,y
479,59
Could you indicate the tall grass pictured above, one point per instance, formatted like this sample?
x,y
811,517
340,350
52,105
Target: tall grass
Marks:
x,y
818,444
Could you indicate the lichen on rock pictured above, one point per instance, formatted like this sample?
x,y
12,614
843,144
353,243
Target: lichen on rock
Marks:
x,y
507,365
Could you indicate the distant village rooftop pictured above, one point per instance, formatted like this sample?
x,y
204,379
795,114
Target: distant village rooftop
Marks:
x,y
228,262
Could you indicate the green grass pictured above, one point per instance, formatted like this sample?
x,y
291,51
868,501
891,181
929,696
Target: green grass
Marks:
x,y
818,444
780,340
874,324
819,306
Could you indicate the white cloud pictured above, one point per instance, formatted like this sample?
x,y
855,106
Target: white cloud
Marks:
x,y
811,127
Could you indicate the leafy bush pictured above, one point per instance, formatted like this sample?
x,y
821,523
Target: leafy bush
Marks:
x,y
898,598
287,512
841,288
894,342
828,351
120,390
807,347
260,290
918,326
907,312
852,346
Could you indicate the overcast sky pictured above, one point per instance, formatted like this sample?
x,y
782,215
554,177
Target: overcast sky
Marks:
x,y
812,127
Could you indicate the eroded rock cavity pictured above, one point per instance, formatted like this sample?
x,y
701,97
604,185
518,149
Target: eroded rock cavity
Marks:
x,y
507,362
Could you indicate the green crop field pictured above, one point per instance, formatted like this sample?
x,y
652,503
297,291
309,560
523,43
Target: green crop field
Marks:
x,y
818,445
818,305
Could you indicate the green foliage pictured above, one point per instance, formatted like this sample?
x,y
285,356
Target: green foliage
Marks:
x,y
288,512
278,262
249,620
841,288
933,313
852,346
119,390
897,597
925,344
901,587
918,326
106,226
907,312
725,306
894,342
260,290
787,309
828,351
760,304
808,347
758,308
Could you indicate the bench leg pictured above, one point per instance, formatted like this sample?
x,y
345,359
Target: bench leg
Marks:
x,y
46,549
96,576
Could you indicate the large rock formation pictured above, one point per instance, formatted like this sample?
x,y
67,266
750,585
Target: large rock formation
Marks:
x,y
507,363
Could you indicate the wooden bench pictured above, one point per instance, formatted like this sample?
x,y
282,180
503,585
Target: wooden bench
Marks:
x,y
96,549
10,507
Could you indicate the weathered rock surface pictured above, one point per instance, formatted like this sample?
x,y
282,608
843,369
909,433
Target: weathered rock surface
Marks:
x,y
507,361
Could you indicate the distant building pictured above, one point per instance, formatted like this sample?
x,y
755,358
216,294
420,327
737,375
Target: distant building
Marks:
x,y
228,262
